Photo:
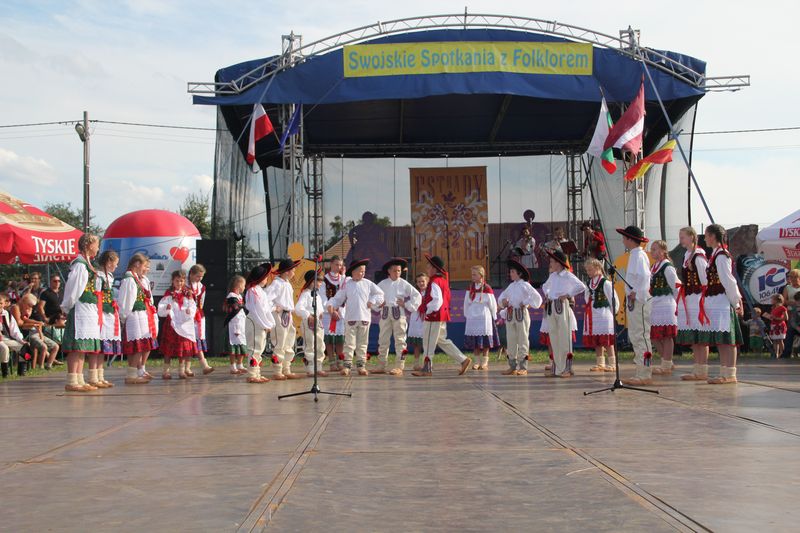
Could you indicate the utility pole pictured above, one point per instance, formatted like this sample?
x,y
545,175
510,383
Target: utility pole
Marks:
x,y
83,133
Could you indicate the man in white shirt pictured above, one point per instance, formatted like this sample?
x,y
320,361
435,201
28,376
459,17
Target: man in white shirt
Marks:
x,y
259,309
284,334
559,289
399,296
360,296
637,299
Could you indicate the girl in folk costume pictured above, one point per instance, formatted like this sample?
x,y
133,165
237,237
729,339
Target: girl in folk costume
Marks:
x,y
284,334
399,296
196,274
360,296
560,287
416,324
435,309
517,301
146,282
598,318
664,287
178,333
480,311
778,316
111,331
692,320
235,318
311,321
334,329
723,305
138,318
83,305
259,310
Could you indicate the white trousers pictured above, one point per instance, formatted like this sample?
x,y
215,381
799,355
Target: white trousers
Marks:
x,y
356,337
639,335
560,324
389,327
435,334
283,338
309,335
518,340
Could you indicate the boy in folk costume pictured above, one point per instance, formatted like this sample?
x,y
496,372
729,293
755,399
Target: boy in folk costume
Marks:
x,y
359,296
664,287
235,319
284,334
517,300
196,274
693,327
177,336
334,329
598,319
110,332
723,305
435,309
399,296
311,322
638,303
138,318
83,305
259,310
561,286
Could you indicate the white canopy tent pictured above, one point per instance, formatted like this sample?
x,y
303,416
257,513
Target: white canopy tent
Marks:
x,y
781,241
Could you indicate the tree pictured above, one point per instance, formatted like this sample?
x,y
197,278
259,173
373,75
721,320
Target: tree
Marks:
x,y
72,216
341,229
196,207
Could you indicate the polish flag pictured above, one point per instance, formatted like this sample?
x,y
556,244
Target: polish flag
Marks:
x,y
260,127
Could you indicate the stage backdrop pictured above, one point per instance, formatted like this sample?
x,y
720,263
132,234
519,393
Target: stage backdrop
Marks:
x,y
449,212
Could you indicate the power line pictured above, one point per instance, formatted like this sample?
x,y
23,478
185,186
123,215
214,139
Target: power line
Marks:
x,y
145,125
65,122
758,130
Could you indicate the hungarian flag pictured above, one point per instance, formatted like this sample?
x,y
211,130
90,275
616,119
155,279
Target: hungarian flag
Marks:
x,y
626,134
260,127
596,147
659,157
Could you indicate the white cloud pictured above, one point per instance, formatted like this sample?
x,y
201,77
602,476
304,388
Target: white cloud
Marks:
x,y
25,169
204,182
179,190
144,195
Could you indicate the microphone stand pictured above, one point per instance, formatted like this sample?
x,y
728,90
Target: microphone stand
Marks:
x,y
315,390
617,382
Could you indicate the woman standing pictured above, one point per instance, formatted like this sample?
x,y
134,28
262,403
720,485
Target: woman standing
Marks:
x,y
722,305
138,316
82,303
692,321
110,330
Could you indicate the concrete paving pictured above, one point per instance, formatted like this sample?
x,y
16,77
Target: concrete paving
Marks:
x,y
474,453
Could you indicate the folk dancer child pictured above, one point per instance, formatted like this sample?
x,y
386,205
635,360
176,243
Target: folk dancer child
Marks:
x,y
756,328
138,318
480,311
416,324
517,301
435,308
723,305
284,334
638,304
399,296
778,317
111,330
235,319
693,327
334,329
664,288
311,321
11,339
359,296
83,305
259,310
598,319
196,274
559,289
178,334
149,286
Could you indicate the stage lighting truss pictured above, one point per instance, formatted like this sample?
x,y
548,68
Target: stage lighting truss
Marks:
x,y
626,43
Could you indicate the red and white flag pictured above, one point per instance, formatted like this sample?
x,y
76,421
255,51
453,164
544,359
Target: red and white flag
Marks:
x,y
260,127
627,133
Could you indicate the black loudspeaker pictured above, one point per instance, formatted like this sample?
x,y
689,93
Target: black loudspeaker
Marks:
x,y
213,254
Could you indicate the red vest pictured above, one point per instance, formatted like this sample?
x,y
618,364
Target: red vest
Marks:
x,y
443,314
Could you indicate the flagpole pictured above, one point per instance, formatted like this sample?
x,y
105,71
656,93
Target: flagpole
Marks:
x,y
673,134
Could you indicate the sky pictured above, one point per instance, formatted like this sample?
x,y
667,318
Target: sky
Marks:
x,y
130,61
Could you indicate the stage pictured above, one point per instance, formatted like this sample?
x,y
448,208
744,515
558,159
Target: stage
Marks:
x,y
469,453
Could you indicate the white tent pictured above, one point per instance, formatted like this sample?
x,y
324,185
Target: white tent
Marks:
x,y
781,240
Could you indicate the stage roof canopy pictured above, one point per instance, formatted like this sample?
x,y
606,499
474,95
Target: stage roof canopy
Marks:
x,y
454,114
